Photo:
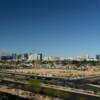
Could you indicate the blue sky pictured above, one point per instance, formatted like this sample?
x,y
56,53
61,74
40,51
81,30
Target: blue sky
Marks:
x,y
54,27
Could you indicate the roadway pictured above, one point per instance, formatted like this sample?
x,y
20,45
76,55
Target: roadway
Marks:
x,y
61,88
14,79
16,92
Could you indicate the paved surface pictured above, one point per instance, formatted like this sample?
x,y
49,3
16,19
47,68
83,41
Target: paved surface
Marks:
x,y
79,91
25,94
62,88
17,92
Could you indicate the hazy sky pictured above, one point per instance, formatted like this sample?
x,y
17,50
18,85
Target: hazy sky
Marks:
x,y
54,27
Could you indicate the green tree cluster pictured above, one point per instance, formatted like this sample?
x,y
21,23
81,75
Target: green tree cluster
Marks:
x,y
33,85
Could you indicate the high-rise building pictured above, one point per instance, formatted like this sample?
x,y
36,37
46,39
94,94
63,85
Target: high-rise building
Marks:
x,y
14,56
40,57
26,56
98,57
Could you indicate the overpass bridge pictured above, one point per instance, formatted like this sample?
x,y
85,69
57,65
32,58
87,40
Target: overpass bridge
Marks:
x,y
18,80
13,84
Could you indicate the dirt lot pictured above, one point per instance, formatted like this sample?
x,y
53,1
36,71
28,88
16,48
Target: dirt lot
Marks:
x,y
58,72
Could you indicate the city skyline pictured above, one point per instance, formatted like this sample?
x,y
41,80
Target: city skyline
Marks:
x,y
5,53
53,27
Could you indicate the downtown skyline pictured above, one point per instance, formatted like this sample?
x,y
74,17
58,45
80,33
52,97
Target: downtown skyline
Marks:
x,y
53,27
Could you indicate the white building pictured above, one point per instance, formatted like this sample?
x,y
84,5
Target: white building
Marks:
x,y
48,58
34,57
52,58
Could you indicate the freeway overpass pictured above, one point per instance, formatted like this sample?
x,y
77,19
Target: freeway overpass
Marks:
x,y
19,85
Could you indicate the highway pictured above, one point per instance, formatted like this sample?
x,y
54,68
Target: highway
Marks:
x,y
62,88
17,80
16,92
14,87
67,89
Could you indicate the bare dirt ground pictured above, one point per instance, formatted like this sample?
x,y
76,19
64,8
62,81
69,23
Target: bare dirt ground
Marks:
x,y
58,72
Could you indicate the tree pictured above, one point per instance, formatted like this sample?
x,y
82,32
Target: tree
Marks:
x,y
81,98
33,85
49,91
